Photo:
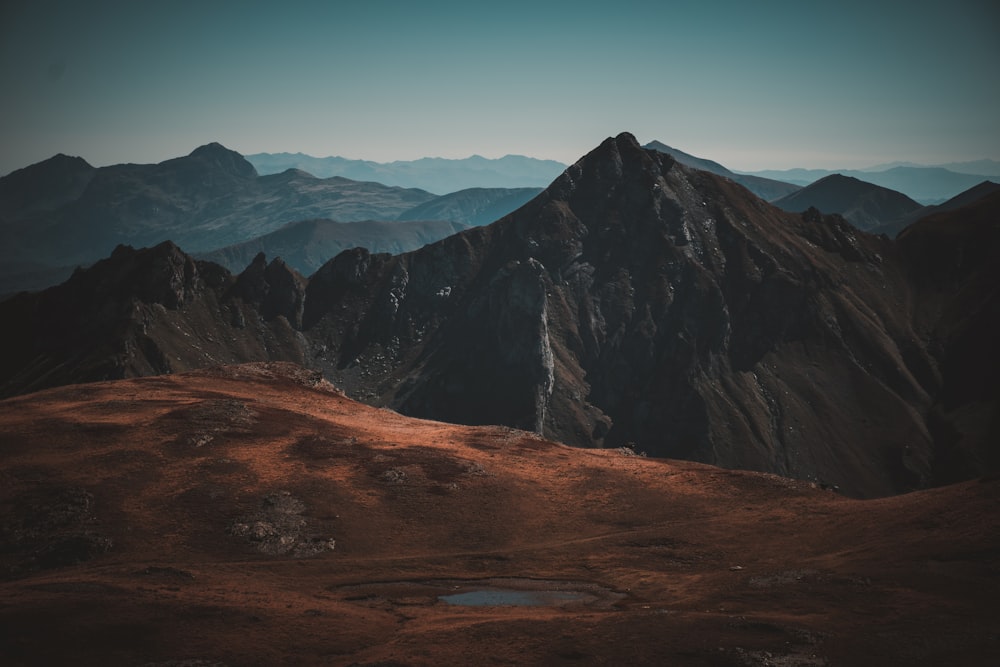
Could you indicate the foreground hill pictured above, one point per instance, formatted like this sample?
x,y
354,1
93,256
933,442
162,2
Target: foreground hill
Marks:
x,y
633,301
865,205
251,515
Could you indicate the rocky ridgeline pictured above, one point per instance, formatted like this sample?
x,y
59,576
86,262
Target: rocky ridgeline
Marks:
x,y
634,301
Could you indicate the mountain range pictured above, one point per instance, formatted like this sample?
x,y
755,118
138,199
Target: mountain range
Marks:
x,y
634,302
858,197
62,213
927,185
438,175
864,205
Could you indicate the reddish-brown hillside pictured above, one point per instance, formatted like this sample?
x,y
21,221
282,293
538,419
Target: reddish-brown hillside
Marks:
x,y
251,515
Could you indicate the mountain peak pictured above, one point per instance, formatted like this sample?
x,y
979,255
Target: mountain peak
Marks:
x,y
218,155
865,205
44,186
211,148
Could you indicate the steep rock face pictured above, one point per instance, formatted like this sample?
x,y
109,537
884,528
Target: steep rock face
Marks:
x,y
277,288
680,313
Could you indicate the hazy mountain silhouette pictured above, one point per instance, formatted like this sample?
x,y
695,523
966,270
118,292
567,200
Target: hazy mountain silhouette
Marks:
x,y
927,185
43,187
765,188
438,175
62,213
472,207
634,301
865,205
893,227
308,244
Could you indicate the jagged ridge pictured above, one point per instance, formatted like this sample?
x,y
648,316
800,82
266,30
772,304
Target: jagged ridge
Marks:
x,y
633,301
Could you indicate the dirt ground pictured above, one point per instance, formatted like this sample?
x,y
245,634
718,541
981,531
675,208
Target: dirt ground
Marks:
x,y
251,515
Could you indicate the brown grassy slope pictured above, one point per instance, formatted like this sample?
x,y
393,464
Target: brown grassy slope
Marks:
x,y
189,517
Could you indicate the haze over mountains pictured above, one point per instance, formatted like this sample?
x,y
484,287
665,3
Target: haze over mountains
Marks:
x,y
62,212
927,185
437,175
635,300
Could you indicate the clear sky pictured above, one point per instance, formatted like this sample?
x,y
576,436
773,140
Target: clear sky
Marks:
x,y
753,85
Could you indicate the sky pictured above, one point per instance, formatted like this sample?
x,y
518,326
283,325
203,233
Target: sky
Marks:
x,y
753,85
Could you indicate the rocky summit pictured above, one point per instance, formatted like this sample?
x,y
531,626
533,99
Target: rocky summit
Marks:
x,y
635,302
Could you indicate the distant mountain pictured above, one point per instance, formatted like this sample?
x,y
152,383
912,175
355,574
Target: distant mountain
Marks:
x,y
63,213
927,185
865,205
44,186
971,196
438,175
984,167
308,244
635,302
765,188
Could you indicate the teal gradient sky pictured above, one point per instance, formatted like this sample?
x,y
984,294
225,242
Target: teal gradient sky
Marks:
x,y
754,85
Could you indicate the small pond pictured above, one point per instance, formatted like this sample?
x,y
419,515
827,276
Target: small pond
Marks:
x,y
489,592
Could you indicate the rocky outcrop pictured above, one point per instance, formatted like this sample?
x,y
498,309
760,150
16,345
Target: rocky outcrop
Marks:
x,y
277,288
145,312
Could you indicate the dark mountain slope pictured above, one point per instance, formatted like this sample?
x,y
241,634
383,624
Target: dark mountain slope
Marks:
x,y
634,301
953,255
864,205
766,188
